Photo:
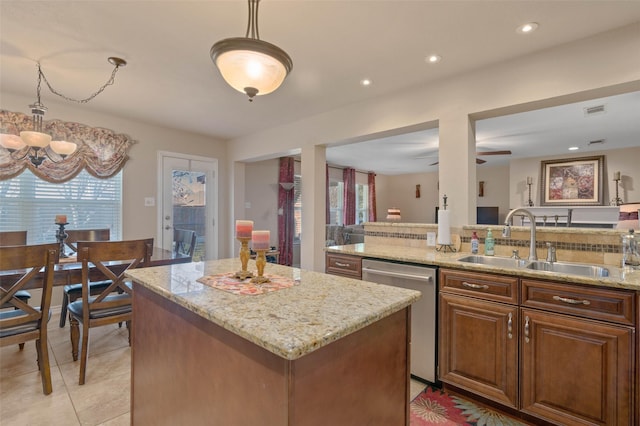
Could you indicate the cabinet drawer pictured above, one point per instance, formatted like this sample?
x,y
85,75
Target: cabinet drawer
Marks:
x,y
345,265
589,302
498,288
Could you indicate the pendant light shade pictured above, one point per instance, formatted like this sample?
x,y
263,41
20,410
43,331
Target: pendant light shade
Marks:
x,y
63,148
35,139
248,64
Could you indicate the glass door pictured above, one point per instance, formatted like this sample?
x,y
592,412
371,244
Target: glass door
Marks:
x,y
189,202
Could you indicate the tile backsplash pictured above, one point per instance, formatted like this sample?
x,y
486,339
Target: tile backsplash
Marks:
x,y
585,245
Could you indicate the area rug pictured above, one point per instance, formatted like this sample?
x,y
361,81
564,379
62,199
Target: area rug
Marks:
x,y
435,407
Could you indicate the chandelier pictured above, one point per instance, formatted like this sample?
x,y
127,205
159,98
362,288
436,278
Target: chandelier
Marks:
x,y
248,64
36,144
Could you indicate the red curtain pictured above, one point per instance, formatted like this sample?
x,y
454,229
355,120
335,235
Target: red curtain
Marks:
x,y
286,223
349,179
371,182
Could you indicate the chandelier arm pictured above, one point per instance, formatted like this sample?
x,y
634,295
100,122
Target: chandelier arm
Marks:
x,y
80,101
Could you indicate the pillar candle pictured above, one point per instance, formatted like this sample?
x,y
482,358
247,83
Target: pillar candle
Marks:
x,y
529,180
244,228
616,176
260,240
61,218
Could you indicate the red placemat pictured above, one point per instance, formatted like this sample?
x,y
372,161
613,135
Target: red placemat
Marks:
x,y
233,285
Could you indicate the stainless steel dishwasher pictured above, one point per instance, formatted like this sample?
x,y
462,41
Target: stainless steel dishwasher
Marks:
x,y
423,312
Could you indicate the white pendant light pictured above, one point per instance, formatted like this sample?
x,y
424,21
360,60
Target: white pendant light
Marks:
x,y
248,64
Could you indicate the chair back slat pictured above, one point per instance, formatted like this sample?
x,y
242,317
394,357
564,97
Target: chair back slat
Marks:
x,y
184,242
32,259
76,235
13,238
100,253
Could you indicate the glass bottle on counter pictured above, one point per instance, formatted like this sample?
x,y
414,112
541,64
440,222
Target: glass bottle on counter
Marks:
x,y
630,251
474,243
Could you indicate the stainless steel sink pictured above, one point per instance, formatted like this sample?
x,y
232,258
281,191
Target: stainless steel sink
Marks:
x,y
569,268
503,262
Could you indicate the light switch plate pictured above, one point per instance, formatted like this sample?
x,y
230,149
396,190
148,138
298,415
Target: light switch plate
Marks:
x,y
431,239
149,201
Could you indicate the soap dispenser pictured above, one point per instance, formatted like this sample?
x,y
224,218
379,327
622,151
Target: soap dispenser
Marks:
x,y
488,244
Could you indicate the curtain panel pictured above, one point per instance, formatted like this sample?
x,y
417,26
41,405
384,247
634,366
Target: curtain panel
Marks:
x,y
349,213
102,152
286,225
371,182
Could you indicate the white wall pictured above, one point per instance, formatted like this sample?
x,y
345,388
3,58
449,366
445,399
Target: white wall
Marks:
x,y
400,192
261,194
549,77
626,161
496,188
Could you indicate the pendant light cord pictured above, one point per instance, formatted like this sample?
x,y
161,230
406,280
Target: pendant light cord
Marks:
x,y
252,24
109,82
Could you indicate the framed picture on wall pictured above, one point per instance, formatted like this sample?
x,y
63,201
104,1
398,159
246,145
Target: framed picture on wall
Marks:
x,y
572,182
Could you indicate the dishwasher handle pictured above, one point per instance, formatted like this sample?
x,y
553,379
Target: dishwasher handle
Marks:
x,y
397,274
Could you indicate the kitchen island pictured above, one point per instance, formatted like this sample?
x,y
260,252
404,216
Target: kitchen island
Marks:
x,y
327,350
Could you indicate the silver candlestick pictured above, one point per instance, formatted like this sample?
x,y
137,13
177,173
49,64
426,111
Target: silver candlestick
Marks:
x,y
617,179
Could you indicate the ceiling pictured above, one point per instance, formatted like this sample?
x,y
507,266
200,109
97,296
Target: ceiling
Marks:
x,y
171,81
545,132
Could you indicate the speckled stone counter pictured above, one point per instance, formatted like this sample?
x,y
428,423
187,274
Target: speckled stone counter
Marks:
x,y
291,322
319,352
618,278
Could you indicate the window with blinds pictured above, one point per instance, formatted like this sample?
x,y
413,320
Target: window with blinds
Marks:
x,y
29,203
297,207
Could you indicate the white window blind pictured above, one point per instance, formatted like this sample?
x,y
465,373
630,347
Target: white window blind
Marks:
x,y
362,203
297,207
31,204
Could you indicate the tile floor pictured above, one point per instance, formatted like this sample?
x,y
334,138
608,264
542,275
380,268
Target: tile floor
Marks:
x,y
102,400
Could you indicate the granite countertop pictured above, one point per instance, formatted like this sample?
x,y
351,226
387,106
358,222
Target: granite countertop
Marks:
x,y
290,322
617,277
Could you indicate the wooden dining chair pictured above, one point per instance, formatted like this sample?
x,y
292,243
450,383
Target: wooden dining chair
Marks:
x,y
15,238
72,292
75,235
26,322
113,304
184,242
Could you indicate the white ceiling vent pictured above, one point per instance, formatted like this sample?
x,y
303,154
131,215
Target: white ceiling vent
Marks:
x,y
594,110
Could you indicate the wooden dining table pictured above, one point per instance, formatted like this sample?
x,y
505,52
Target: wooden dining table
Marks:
x,y
68,270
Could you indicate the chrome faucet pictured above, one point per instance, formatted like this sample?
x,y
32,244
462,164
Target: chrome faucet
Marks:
x,y
506,231
551,253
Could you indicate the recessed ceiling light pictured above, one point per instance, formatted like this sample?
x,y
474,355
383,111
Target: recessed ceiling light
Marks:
x,y
365,82
433,59
527,28
573,148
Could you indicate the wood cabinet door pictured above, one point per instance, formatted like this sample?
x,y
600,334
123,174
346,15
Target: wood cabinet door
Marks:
x,y
576,371
478,347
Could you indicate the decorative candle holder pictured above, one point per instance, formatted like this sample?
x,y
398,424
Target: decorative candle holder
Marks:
x,y
530,202
617,179
261,261
244,259
60,237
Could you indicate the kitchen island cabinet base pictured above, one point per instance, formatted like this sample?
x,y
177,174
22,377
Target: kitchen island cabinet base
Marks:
x,y
188,370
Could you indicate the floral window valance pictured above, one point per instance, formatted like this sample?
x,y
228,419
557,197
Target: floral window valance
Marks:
x,y
101,151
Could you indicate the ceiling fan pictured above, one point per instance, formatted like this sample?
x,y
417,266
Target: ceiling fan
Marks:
x,y
481,153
